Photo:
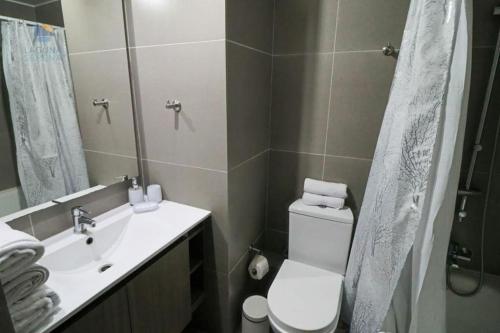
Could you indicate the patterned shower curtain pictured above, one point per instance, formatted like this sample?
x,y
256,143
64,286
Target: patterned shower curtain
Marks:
x,y
49,150
410,176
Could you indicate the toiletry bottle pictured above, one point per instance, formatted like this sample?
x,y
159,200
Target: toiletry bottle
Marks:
x,y
135,194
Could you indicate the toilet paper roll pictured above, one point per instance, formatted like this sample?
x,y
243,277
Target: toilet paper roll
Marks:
x,y
258,268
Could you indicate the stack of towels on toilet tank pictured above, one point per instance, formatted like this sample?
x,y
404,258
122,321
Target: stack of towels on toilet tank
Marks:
x,y
31,304
324,194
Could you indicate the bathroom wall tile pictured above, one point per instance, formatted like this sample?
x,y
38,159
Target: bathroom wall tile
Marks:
x,y
485,25
176,21
247,205
287,172
97,76
250,23
240,285
482,59
51,221
104,169
276,241
195,75
492,250
50,13
248,102
16,10
8,163
93,25
55,219
304,26
354,173
22,224
213,314
301,92
200,188
361,85
369,25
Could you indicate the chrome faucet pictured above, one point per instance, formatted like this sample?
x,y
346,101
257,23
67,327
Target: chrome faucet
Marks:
x,y
81,220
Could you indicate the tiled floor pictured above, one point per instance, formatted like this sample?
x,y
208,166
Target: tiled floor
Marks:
x,y
479,313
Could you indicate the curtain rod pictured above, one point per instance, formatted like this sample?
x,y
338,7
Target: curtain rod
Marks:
x,y
8,18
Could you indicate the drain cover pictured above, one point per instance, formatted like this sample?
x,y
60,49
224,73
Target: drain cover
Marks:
x,y
104,268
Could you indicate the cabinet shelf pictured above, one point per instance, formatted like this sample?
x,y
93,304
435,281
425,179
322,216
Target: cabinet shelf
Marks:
x,y
197,298
194,265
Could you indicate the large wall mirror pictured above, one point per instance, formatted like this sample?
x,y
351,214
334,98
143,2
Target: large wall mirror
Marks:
x,y
66,115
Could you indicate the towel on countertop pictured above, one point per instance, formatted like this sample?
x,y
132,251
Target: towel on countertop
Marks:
x,y
321,200
37,318
319,187
38,299
18,250
22,285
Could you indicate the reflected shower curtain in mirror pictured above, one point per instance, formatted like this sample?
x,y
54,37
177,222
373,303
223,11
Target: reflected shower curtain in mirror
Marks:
x,y
50,157
414,167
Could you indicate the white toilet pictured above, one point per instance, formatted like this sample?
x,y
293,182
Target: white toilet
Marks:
x,y
306,294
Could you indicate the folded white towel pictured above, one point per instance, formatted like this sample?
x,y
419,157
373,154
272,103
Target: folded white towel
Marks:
x,y
18,250
319,187
322,200
23,284
36,320
38,299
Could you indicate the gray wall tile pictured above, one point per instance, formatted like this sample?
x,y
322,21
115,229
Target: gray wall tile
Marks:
x,y
17,11
104,168
93,25
304,26
176,21
8,163
22,224
250,23
301,93
247,205
361,85
482,59
50,13
485,25
351,171
97,76
200,188
369,25
195,75
248,102
287,172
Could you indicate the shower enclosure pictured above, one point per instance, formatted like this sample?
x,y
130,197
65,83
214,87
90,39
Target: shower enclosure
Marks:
x,y
473,265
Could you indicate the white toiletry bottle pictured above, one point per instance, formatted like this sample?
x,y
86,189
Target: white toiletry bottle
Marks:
x,y
135,193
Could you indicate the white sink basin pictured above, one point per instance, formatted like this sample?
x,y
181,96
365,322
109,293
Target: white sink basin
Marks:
x,y
83,266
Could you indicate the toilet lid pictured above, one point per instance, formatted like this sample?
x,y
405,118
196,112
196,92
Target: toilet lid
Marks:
x,y
305,298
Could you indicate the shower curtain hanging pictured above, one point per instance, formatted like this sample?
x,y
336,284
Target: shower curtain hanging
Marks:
x,y
411,169
49,150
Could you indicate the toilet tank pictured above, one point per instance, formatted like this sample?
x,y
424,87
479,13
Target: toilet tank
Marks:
x,y
320,236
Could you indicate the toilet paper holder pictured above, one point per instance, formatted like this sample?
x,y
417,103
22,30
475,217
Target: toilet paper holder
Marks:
x,y
254,250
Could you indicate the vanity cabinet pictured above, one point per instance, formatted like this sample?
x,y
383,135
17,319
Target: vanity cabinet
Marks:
x,y
159,297
109,315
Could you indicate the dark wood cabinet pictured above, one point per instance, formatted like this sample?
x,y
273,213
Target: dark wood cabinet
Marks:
x,y
159,297
110,315
156,299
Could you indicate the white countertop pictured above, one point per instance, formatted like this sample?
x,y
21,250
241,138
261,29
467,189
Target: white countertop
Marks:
x,y
131,241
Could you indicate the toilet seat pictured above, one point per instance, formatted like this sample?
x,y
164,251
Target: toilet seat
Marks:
x,y
304,298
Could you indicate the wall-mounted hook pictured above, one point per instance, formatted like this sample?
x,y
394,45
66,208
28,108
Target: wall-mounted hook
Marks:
x,y
174,105
390,51
104,102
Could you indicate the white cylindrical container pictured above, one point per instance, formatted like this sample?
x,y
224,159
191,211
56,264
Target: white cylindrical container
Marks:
x,y
254,317
154,193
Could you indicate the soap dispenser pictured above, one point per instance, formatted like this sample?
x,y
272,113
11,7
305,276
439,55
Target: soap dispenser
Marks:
x,y
135,193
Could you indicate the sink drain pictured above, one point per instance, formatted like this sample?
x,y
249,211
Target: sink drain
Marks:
x,y
104,268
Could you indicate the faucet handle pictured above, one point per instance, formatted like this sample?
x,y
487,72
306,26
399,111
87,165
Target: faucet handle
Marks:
x,y
79,211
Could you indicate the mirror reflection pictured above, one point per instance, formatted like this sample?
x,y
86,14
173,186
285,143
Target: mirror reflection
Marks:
x,y
66,120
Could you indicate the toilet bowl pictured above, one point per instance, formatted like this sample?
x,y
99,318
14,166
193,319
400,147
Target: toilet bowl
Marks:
x,y
306,294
